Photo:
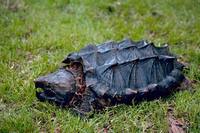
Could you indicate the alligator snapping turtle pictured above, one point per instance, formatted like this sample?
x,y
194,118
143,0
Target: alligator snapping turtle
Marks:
x,y
111,73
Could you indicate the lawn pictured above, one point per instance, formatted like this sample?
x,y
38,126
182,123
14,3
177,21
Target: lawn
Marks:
x,y
35,35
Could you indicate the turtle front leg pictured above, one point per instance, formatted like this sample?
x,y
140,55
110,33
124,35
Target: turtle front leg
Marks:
x,y
87,104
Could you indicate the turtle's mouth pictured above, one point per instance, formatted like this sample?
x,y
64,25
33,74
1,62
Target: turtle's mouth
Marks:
x,y
44,91
57,87
62,86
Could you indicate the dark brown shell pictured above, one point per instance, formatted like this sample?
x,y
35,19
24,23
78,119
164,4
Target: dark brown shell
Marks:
x,y
127,68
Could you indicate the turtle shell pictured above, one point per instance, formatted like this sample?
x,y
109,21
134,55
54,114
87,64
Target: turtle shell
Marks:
x,y
126,69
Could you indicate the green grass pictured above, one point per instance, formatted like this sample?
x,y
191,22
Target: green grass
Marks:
x,y
35,35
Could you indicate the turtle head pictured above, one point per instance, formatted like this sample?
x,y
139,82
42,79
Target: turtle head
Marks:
x,y
58,87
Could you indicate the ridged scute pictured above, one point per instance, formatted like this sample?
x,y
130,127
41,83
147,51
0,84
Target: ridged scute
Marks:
x,y
113,67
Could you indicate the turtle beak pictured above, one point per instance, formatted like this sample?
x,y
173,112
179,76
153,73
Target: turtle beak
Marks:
x,y
58,87
41,82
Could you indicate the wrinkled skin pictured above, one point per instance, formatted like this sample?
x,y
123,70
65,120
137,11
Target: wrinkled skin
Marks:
x,y
111,73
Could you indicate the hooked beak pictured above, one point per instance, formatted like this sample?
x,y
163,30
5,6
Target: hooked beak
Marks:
x,y
58,87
